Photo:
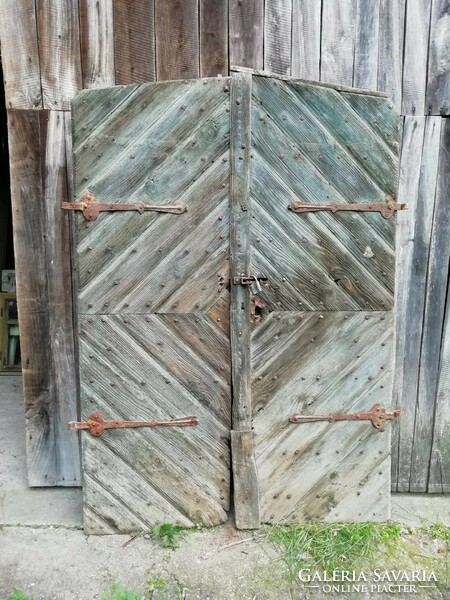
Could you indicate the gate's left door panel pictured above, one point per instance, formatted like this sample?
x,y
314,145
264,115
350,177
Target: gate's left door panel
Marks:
x,y
153,302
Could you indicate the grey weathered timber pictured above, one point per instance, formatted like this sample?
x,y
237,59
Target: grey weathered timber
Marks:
x,y
438,88
278,36
153,302
306,29
20,54
415,299
246,33
439,472
323,343
244,472
59,52
97,43
366,44
390,49
213,38
134,41
177,47
315,363
38,180
411,158
338,41
436,290
415,56
59,281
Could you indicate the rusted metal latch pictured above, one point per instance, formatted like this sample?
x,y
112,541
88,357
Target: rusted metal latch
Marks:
x,y
91,208
250,280
386,209
378,415
97,425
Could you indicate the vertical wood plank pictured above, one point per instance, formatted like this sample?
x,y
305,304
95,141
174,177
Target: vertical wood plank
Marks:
x,y
213,38
134,41
278,36
439,473
306,30
97,43
29,222
338,41
438,89
411,158
417,27
59,274
177,39
246,33
244,468
415,299
366,44
433,321
20,54
390,57
59,51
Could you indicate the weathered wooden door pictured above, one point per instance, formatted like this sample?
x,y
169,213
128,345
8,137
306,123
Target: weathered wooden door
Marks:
x,y
153,302
168,320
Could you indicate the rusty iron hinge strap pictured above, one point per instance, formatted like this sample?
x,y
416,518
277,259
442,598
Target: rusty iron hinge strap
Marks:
x,y
96,424
91,208
377,415
386,209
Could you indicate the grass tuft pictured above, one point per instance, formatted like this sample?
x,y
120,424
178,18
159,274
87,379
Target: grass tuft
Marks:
x,y
337,546
17,595
169,535
118,592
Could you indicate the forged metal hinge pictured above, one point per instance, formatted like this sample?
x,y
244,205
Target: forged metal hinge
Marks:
x,y
378,416
91,208
96,425
386,209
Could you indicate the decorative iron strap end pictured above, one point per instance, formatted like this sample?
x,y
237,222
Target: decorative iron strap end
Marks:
x,y
91,208
377,415
96,425
386,208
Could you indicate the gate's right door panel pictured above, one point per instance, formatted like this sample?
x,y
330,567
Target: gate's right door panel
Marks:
x,y
323,341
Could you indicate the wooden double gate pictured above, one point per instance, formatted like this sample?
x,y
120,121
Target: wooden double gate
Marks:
x,y
237,307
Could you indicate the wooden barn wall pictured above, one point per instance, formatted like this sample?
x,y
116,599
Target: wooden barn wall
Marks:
x,y
53,48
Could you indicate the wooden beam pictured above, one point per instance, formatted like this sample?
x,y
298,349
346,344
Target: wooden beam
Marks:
x,y
390,49
278,36
365,73
306,32
134,41
20,54
246,33
177,39
213,38
439,472
338,41
246,492
417,29
38,184
438,89
59,52
414,302
97,43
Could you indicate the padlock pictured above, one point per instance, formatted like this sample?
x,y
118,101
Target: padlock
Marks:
x,y
255,286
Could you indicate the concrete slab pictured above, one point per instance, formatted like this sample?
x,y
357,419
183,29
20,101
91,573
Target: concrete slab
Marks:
x,y
421,509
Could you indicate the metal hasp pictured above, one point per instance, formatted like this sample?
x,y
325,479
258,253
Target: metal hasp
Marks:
x,y
97,425
378,415
91,208
386,209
